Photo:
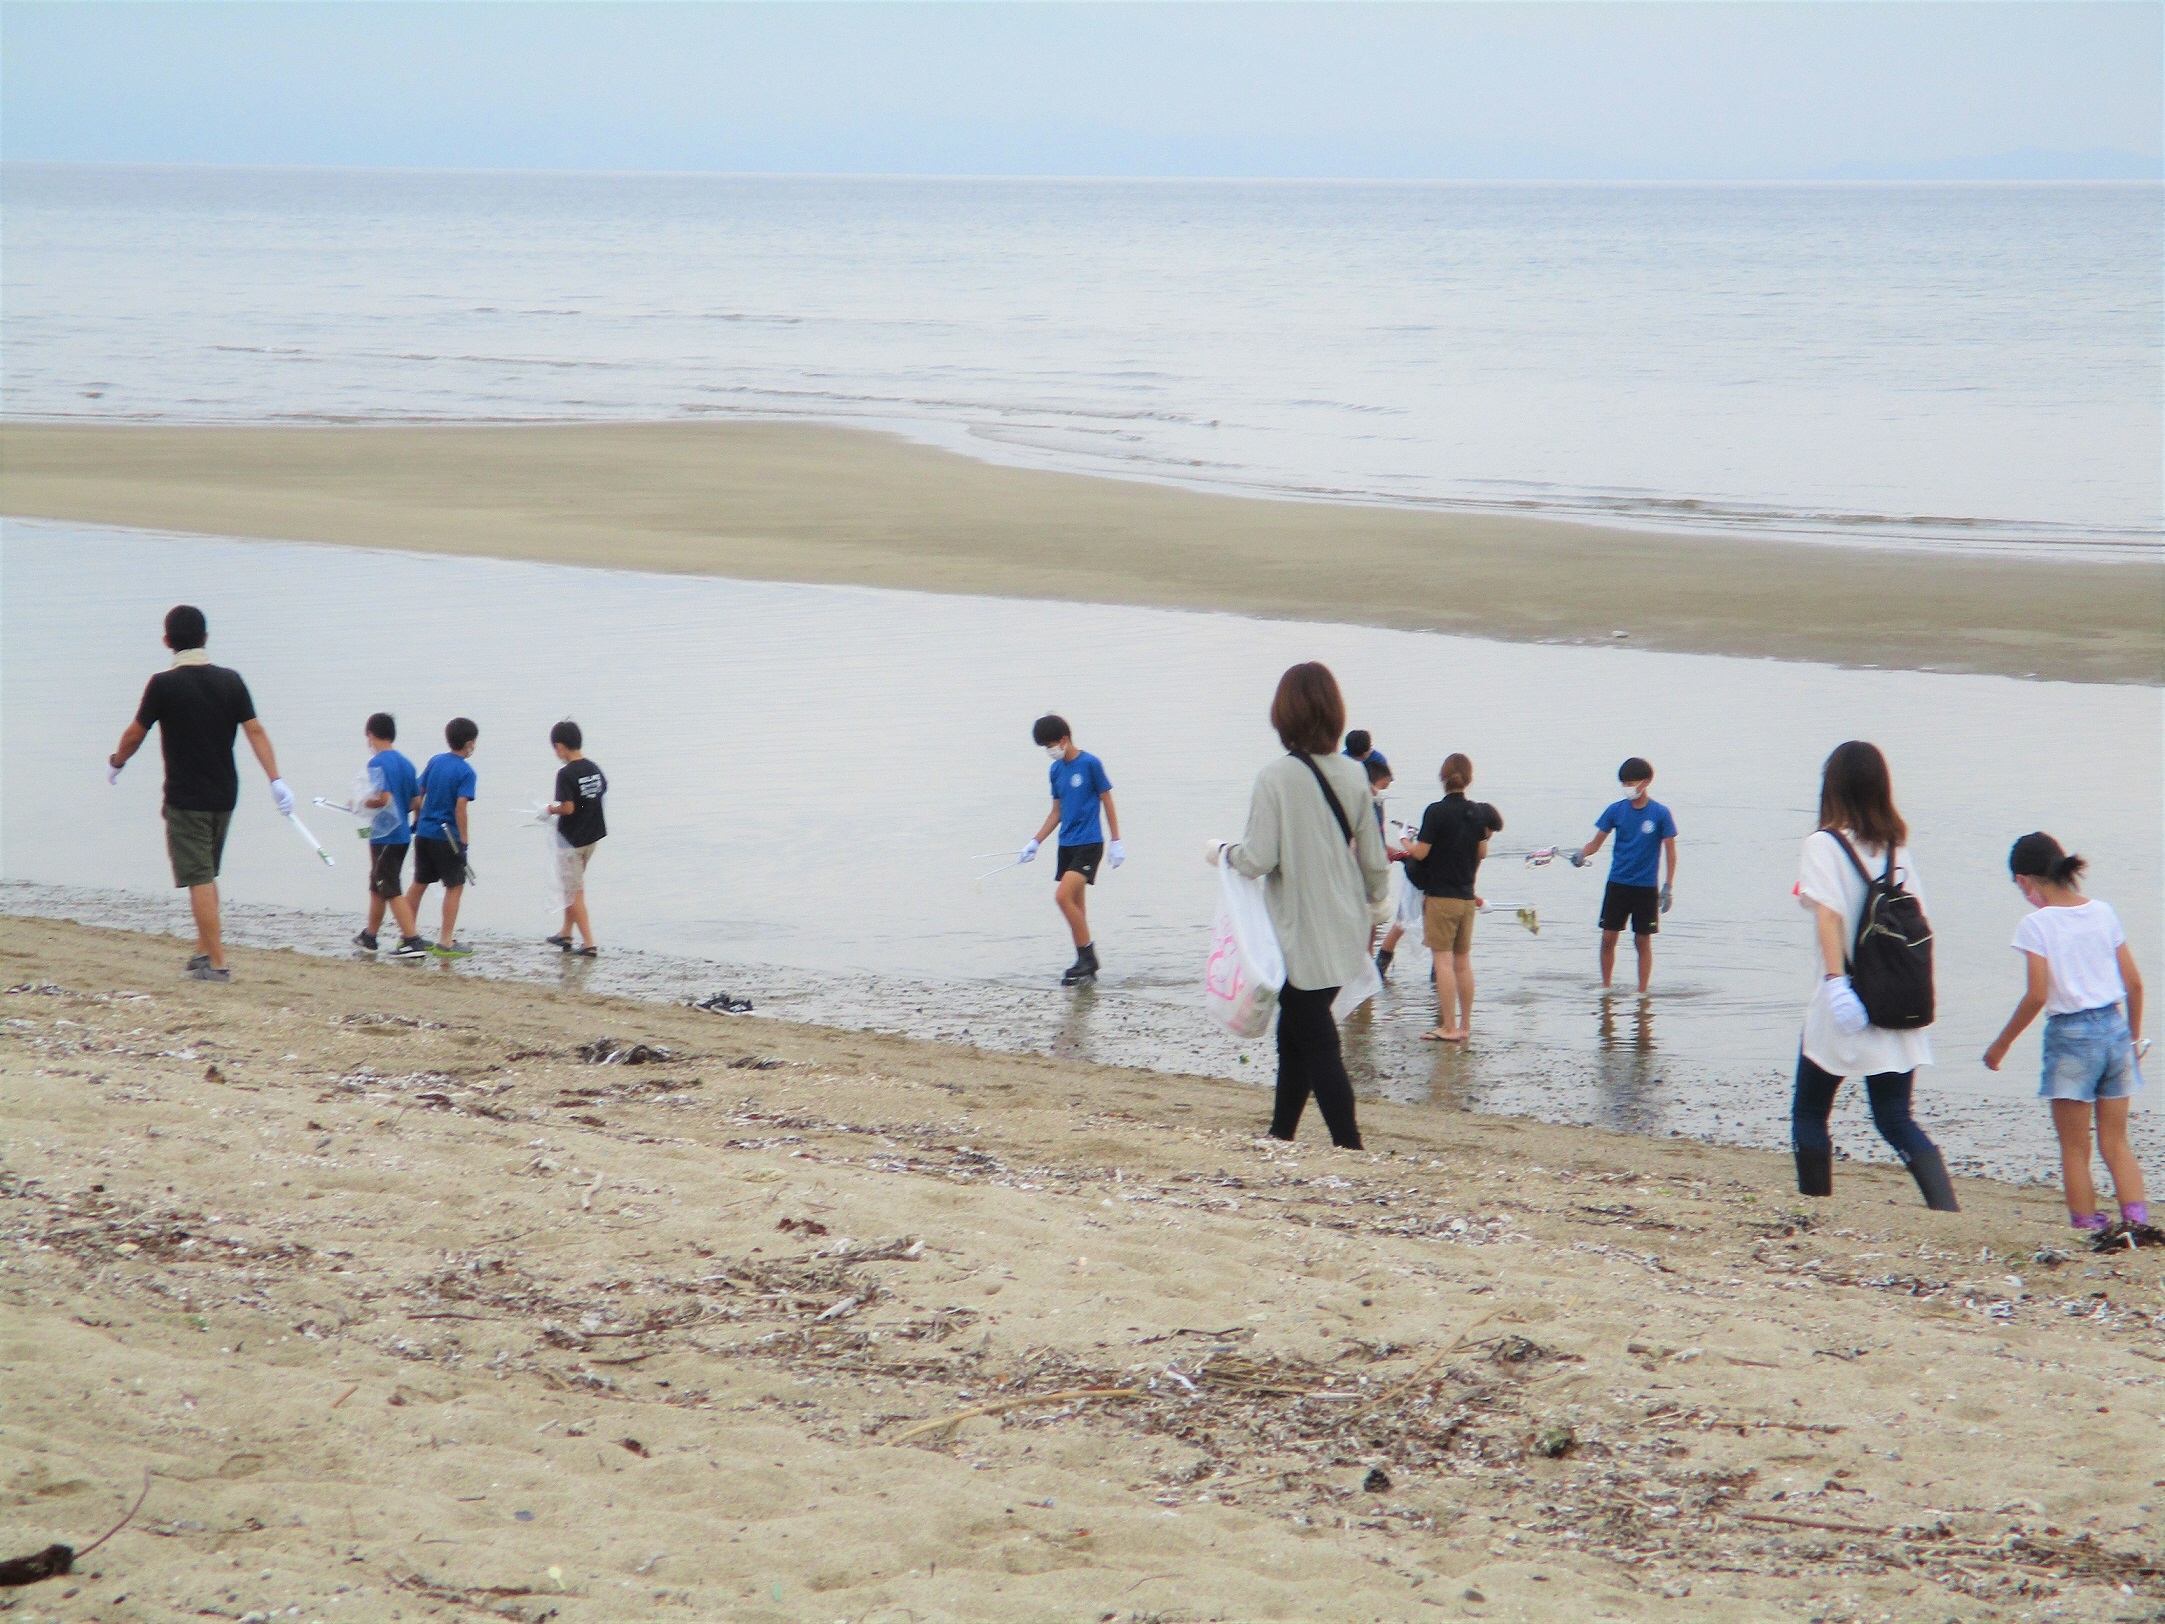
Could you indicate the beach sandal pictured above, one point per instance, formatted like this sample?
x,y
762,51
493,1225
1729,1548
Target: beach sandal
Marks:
x,y
587,952
563,942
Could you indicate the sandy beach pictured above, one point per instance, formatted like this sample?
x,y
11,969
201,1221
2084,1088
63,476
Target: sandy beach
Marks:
x,y
785,501
412,1303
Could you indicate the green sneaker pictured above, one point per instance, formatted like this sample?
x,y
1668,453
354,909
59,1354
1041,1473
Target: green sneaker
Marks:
x,y
452,950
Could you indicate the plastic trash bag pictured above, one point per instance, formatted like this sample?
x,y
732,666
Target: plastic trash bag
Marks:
x,y
1357,991
1246,969
380,822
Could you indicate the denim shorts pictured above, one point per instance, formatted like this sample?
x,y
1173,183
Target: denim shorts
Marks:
x,y
2089,1055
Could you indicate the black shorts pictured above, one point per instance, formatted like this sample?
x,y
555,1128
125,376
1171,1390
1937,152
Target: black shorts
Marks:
x,y
1081,860
438,862
1641,904
385,865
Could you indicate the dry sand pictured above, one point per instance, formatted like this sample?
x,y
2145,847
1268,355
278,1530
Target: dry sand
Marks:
x,y
786,501
411,1311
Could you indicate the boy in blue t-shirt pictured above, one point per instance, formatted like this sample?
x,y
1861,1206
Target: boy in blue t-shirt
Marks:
x,y
1079,789
446,786
389,806
1644,832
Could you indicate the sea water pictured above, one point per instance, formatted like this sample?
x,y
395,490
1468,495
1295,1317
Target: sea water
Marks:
x,y
805,782
1962,365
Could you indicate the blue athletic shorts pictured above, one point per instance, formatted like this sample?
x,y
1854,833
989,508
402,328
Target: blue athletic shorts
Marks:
x,y
2089,1055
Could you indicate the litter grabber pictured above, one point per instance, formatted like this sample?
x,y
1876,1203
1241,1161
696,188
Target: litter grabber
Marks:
x,y
310,840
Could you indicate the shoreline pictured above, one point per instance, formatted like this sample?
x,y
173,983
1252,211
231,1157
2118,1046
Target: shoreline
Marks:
x,y
791,1322
801,502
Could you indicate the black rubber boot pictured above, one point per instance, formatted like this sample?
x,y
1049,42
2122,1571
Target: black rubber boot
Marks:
x,y
1815,1172
1383,961
1085,967
1929,1169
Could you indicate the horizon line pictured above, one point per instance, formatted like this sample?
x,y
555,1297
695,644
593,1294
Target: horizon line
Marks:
x,y
1002,175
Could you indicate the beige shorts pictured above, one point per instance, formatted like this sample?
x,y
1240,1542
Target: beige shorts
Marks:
x,y
1447,924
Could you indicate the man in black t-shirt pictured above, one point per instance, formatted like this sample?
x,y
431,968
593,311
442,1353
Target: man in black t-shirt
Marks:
x,y
1453,840
580,786
197,708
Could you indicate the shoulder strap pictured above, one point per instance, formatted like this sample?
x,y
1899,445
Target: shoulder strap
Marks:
x,y
1857,862
1330,796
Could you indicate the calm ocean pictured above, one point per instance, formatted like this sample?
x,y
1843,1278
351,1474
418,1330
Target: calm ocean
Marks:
x,y
1951,365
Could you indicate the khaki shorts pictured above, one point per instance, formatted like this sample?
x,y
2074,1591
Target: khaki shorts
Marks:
x,y
196,844
1447,924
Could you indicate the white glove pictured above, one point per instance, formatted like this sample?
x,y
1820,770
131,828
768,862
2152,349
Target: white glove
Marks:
x,y
1578,859
1214,852
1668,898
112,772
1028,852
1118,852
1845,1006
282,797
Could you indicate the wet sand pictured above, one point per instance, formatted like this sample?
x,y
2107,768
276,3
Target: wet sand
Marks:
x,y
811,503
408,1306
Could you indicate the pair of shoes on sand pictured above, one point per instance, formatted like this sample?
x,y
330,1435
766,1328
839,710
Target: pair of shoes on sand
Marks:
x,y
587,952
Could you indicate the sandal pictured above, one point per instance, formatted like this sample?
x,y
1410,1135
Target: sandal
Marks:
x,y
563,942
587,952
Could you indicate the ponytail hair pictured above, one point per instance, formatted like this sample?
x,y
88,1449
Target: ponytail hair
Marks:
x,y
2039,857
1457,772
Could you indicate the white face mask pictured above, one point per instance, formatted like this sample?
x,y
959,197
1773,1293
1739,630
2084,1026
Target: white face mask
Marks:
x,y
1056,751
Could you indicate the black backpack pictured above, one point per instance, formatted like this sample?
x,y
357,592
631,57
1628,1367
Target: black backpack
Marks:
x,y
1890,962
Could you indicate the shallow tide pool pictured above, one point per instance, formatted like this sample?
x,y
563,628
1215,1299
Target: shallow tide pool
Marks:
x,y
803,779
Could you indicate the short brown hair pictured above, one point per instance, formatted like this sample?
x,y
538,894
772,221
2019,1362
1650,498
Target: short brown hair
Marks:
x,y
1856,792
1308,711
1457,772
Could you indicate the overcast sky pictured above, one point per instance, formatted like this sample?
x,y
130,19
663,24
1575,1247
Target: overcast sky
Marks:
x,y
1605,90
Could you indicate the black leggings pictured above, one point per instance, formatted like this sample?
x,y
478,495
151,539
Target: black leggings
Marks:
x,y
1889,1091
1309,1063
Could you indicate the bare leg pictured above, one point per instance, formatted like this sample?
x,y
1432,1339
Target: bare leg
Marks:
x,y
2071,1120
575,914
452,893
1462,973
1447,1029
1645,946
2119,1155
1391,938
375,913
1070,897
402,911
1608,955
203,903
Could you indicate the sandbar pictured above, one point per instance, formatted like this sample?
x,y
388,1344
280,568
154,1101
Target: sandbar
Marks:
x,y
805,502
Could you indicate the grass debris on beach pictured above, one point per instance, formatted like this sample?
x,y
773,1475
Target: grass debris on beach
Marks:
x,y
420,1310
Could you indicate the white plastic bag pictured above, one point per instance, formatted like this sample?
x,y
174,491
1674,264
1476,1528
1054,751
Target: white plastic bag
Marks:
x,y
1357,991
1246,968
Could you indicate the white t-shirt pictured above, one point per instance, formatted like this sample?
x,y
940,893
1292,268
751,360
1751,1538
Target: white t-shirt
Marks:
x,y
2081,947
1826,876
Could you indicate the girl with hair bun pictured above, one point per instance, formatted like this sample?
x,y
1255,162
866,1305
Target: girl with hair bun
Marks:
x,y
2083,978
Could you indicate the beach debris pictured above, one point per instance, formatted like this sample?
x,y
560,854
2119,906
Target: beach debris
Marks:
x,y
2125,1237
211,1074
1530,919
2050,1256
801,1226
1378,1481
56,1560
753,1062
944,1425
1554,1440
609,1052
636,1447
723,1003
1541,857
